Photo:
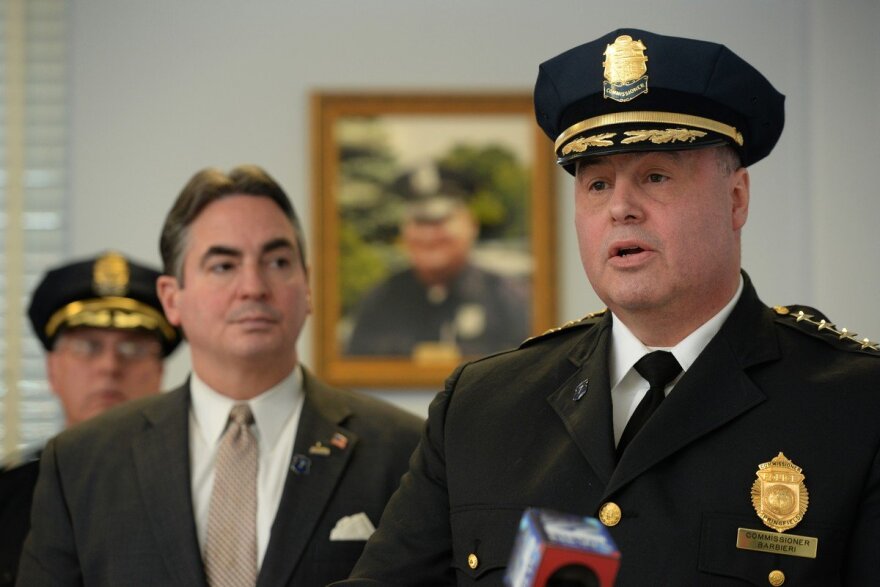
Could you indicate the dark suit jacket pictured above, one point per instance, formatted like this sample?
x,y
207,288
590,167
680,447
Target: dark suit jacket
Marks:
x,y
113,504
16,492
508,432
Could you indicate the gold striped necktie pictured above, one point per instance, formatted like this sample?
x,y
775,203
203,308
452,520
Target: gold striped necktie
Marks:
x,y
231,542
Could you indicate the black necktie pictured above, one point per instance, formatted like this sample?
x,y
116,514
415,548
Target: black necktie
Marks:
x,y
658,368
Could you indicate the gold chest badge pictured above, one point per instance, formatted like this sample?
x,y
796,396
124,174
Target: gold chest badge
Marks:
x,y
626,67
779,495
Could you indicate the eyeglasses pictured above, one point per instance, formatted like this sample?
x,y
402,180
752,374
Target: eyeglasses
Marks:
x,y
127,350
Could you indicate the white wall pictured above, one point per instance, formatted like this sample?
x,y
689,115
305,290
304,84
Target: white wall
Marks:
x,y
161,88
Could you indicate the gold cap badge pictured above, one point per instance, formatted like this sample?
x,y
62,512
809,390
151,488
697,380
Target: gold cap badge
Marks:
x,y
110,275
779,495
625,69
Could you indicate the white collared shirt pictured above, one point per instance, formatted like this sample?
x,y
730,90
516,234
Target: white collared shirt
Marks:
x,y
276,418
627,386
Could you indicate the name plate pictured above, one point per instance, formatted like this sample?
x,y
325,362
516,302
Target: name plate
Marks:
x,y
777,543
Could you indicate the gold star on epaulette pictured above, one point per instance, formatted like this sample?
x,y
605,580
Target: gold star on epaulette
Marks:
x,y
822,324
567,325
867,344
571,323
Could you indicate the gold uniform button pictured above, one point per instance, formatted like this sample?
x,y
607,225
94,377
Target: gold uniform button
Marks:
x,y
609,514
776,578
473,561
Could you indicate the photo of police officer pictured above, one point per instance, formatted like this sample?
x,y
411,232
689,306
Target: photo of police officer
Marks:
x,y
443,304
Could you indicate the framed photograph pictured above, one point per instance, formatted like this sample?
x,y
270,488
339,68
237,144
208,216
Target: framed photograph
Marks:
x,y
432,233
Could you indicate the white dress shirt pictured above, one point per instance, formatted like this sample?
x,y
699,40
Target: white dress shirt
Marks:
x,y
276,418
627,386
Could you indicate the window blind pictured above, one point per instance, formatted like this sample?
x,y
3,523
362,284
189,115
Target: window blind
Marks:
x,y
33,183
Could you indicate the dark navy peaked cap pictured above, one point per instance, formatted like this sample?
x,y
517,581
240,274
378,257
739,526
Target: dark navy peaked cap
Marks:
x,y
107,291
633,90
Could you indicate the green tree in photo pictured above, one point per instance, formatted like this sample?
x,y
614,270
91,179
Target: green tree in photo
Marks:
x,y
498,185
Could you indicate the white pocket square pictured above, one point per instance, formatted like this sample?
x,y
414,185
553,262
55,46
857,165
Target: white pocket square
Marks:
x,y
353,527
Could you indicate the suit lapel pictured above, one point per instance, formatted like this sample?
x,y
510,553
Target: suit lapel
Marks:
x,y
714,391
161,458
588,419
306,495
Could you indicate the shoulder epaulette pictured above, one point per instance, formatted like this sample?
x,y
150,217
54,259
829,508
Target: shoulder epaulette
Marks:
x,y
588,320
816,324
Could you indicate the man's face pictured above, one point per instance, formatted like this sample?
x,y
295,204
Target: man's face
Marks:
x,y
659,232
94,369
245,295
439,249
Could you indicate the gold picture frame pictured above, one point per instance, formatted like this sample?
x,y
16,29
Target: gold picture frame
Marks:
x,y
365,146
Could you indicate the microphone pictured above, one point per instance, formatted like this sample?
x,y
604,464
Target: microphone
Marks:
x,y
553,549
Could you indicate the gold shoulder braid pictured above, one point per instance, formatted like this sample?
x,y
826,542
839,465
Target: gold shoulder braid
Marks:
x,y
814,323
587,320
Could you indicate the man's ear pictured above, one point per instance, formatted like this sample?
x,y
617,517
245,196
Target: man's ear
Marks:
x,y
307,271
51,376
739,197
168,289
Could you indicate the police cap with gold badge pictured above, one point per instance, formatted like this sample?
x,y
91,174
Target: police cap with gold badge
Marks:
x,y
633,90
430,193
108,291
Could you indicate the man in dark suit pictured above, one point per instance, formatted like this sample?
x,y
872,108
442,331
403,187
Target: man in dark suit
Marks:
x,y
251,473
106,338
721,441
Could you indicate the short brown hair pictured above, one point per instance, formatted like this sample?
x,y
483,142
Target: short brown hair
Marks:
x,y
207,186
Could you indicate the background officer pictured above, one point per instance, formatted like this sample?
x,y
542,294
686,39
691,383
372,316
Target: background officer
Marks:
x,y
106,337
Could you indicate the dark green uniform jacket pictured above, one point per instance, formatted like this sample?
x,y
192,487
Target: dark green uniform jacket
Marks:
x,y
16,493
509,432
